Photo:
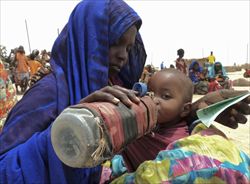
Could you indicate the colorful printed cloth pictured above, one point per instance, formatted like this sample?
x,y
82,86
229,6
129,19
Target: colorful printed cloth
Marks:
x,y
207,156
7,94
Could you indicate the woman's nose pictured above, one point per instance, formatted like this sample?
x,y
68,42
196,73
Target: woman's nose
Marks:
x,y
123,56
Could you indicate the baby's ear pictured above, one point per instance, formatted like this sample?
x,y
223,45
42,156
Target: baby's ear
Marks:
x,y
186,109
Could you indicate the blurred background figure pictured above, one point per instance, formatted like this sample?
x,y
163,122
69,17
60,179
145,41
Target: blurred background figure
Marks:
x,y
146,74
7,94
246,73
180,62
33,63
198,78
218,78
171,66
211,60
162,65
22,70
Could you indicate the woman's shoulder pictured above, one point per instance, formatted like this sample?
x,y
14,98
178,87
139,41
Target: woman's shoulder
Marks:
x,y
45,86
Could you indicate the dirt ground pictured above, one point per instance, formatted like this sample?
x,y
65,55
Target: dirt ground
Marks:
x,y
241,135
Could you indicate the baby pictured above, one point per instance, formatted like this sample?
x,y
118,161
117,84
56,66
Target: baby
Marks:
x,y
173,92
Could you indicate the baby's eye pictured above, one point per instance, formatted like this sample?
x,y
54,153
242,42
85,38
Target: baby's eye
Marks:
x,y
166,96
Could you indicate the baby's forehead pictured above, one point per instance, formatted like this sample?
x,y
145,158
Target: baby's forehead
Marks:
x,y
164,76
167,74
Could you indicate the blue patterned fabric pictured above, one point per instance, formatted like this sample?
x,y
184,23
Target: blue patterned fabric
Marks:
x,y
212,73
80,66
192,73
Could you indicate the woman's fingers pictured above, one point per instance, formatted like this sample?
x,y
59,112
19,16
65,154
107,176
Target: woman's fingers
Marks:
x,y
226,93
100,96
113,95
130,93
242,107
231,117
223,94
247,100
227,120
239,118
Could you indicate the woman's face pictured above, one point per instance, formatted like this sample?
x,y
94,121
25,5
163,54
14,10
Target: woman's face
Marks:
x,y
217,67
196,66
118,52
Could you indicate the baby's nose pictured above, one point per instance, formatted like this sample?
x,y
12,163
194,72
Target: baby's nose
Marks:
x,y
156,100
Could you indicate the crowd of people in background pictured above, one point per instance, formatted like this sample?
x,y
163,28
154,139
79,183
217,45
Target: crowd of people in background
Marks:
x,y
207,76
22,68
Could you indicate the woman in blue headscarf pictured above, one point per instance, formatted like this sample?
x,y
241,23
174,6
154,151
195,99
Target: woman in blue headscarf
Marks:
x,y
196,74
218,76
99,45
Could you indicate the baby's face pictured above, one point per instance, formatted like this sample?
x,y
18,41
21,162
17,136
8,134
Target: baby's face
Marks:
x,y
168,92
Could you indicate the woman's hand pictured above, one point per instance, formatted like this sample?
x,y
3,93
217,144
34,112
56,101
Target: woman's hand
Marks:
x,y
114,95
232,115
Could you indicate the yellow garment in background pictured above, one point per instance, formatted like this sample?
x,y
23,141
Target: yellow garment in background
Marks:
x,y
211,59
34,66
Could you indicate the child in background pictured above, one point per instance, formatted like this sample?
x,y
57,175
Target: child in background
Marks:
x,y
180,62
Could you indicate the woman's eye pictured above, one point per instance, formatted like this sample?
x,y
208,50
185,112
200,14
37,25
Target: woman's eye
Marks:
x,y
116,43
129,48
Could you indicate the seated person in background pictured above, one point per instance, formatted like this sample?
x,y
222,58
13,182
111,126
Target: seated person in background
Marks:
x,y
146,74
205,156
218,78
198,78
171,66
246,73
34,65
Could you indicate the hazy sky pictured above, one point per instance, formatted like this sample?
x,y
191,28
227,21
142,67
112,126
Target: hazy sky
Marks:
x,y
196,26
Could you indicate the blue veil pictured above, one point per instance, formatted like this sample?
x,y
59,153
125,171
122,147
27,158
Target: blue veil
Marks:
x,y
80,66
86,40
212,72
191,72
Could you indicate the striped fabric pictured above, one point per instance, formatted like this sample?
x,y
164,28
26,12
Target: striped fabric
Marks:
x,y
121,124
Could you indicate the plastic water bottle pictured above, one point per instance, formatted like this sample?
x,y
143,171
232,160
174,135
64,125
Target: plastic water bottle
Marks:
x,y
87,134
